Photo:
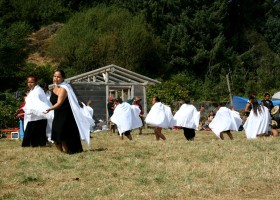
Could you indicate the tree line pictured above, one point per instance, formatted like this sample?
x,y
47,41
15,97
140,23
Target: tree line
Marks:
x,y
189,45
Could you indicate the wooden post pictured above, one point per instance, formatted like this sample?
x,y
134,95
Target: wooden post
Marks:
x,y
230,96
145,103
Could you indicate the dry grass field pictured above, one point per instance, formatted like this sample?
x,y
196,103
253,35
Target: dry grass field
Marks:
x,y
207,168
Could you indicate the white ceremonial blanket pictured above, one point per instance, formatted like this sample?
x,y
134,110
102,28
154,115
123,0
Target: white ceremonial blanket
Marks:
x,y
225,119
36,103
187,116
90,109
82,116
160,115
126,117
257,124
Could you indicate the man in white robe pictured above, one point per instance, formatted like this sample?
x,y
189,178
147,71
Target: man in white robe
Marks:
x,y
160,116
224,121
126,117
188,117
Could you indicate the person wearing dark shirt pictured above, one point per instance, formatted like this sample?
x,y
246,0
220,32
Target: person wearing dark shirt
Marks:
x,y
267,102
110,108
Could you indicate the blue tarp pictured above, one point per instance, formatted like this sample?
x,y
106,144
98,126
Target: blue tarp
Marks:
x,y
239,103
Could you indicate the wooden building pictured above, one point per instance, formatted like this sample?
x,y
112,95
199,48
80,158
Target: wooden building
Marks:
x,y
109,81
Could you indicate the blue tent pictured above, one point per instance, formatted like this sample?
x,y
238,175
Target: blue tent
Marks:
x,y
239,103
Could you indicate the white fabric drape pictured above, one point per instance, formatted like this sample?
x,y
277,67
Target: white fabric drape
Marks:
x,y
36,103
257,124
187,116
90,109
126,117
225,119
82,116
160,115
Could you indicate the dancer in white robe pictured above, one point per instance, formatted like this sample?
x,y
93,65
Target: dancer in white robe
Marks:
x,y
224,121
37,125
188,117
160,116
257,124
126,117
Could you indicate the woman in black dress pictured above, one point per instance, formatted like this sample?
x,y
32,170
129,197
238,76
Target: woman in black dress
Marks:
x,y
65,132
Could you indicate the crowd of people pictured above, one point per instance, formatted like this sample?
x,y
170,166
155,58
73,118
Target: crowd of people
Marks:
x,y
62,119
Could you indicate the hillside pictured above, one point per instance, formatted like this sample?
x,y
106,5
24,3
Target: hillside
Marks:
x,y
39,42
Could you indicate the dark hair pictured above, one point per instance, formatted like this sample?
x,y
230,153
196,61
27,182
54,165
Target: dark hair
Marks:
x,y
256,106
118,100
44,85
80,104
61,72
266,94
157,99
34,77
186,100
251,97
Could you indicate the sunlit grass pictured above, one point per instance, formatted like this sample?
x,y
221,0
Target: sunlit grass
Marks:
x,y
144,168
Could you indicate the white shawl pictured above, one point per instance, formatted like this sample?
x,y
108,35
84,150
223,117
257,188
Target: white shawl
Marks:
x,y
257,124
225,119
187,116
82,116
36,103
126,117
160,115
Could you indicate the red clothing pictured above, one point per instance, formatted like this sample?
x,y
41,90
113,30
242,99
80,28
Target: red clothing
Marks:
x,y
21,111
140,107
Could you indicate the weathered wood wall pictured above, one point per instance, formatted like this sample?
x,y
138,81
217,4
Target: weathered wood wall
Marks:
x,y
95,93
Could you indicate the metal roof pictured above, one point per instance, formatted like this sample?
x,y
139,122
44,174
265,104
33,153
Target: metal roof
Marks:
x,y
111,75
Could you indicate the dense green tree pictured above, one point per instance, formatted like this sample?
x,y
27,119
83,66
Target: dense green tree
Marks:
x,y
272,27
9,105
106,35
209,39
13,42
33,12
181,85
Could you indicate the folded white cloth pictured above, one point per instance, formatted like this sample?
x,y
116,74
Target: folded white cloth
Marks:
x,y
36,104
225,119
257,124
126,117
160,115
82,116
187,116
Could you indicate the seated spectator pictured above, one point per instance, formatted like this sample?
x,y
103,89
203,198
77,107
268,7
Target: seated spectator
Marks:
x,y
210,117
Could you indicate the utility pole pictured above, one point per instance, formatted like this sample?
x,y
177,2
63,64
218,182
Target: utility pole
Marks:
x,y
230,96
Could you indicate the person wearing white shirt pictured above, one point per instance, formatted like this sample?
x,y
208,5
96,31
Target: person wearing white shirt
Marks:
x,y
35,121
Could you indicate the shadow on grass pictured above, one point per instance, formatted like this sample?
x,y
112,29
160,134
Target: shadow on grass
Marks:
x,y
98,149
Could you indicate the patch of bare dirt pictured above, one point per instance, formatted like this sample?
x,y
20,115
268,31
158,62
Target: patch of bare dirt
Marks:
x,y
39,44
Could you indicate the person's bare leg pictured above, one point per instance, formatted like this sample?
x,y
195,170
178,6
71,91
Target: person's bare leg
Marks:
x,y
230,135
222,136
156,134
129,137
111,128
140,131
121,137
274,132
59,146
160,134
114,127
65,147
